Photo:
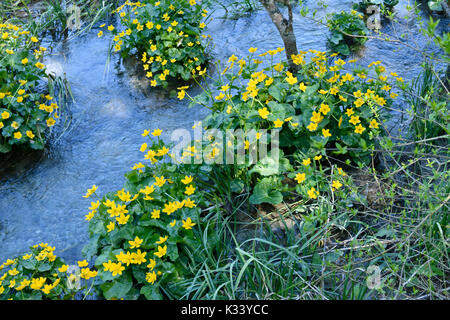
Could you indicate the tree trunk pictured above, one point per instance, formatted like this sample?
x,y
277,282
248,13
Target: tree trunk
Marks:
x,y
285,28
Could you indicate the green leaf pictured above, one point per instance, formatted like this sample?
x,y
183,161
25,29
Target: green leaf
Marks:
x,y
5,148
275,91
90,249
118,288
151,292
266,191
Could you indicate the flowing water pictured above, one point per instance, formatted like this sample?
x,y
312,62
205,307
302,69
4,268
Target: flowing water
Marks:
x,y
43,202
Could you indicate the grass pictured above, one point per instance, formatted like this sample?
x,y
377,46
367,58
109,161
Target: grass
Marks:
x,y
405,235
429,106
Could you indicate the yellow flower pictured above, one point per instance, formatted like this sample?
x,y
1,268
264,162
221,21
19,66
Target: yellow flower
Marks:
x,y
90,191
312,126
359,102
160,181
155,214
278,67
89,216
302,87
18,135
162,240
161,152
263,113
357,94
5,115
334,90
220,96
373,124
300,177
150,277
354,120
188,224
136,243
312,193
51,122
152,264
156,132
189,203
27,256
306,162
63,268
24,61
189,190
13,272
143,147
187,180
30,134
359,129
336,185
122,219
37,283
324,108
291,80
326,133
82,264
111,226
268,82
161,251
342,98
116,269
349,112
278,123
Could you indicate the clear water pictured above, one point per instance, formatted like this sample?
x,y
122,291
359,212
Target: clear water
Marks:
x,y
42,201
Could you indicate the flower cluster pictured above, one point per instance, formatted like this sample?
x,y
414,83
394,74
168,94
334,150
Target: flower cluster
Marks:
x,y
329,105
312,177
166,35
41,275
24,113
138,233
323,105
